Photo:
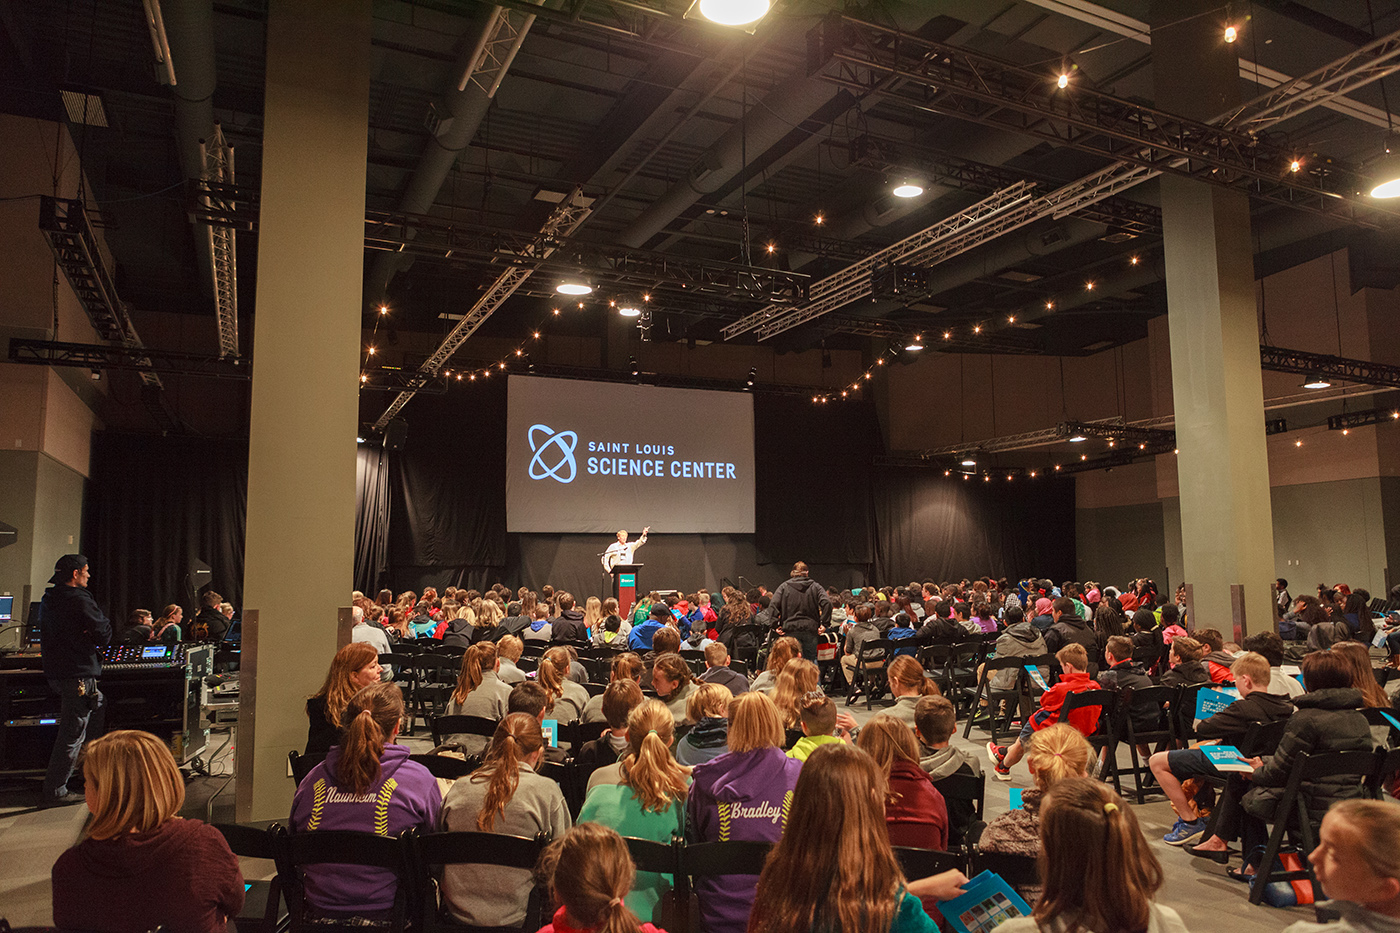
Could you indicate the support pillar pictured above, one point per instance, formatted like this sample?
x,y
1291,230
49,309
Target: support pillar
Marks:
x,y
1217,390
306,344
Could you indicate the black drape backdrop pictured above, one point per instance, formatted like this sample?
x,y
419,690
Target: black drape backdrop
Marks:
x,y
928,526
153,504
371,519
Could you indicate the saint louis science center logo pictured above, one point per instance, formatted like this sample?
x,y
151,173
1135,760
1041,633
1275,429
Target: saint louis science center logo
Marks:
x,y
559,447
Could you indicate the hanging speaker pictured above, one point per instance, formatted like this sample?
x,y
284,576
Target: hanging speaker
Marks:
x,y
395,434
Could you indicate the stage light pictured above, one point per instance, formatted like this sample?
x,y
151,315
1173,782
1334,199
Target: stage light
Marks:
x,y
977,328
555,310
1386,172
1063,82
1032,474
732,12
947,335
1077,439
908,188
915,344
772,248
1297,443
1231,34
519,352
629,309
986,477
574,285
869,376
1049,306
363,378
1345,431
819,220
383,309
1057,468
1011,319
1317,381
947,472
372,351
753,374
1133,261
502,365
1083,456
969,461
1295,165
1088,286
537,335
359,440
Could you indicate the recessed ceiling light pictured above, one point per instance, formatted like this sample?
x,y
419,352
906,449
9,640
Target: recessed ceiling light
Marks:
x,y
1317,381
908,189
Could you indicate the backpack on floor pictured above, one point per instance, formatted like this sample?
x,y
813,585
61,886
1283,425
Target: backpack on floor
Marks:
x,y
1284,893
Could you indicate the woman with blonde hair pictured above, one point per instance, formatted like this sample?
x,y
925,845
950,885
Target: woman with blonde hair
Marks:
x,y
366,784
510,648
798,678
140,866
745,794
480,692
485,626
1056,754
505,795
598,873
915,811
354,667
708,708
566,698
592,613
833,868
783,651
672,679
1357,861
908,683
1099,873
650,801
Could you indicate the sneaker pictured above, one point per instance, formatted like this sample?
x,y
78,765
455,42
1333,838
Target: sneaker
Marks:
x,y
1184,832
1002,772
66,799
996,753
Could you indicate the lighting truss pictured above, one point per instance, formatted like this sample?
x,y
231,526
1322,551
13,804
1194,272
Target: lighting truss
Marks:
x,y
397,380
223,246
1279,360
1025,441
941,78
117,358
1359,419
672,380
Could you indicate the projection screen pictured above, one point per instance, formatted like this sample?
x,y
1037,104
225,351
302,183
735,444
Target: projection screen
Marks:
x,y
594,457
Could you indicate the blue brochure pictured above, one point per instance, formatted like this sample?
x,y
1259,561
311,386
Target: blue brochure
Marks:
x,y
1211,701
988,903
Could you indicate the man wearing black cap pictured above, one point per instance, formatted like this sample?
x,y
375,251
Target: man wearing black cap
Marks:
x,y
72,628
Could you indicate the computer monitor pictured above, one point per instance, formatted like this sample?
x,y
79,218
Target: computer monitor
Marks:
x,y
233,638
7,608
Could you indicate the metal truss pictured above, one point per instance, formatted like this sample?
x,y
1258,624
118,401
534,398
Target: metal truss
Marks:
x,y
562,222
1279,360
942,78
396,380
223,247
1112,428
1358,419
117,358
496,49
672,380
853,282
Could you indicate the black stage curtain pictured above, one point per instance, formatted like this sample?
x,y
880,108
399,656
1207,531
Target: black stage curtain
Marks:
x,y
153,504
928,526
371,519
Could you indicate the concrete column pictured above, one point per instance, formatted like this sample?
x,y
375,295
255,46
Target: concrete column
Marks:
x,y
1226,522
306,348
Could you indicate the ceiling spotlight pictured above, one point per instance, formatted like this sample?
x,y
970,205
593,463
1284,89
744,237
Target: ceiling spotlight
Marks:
x,y
908,188
732,12
969,461
363,378
819,220
1063,82
1297,443
1089,286
372,351
383,309
574,285
1077,439
772,247
1231,34
1011,319
359,440
977,329
917,343
1049,306
1133,261
753,374
629,308
1317,381
1295,165
947,335
1386,172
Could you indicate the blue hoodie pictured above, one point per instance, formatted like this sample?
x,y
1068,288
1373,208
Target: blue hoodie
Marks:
x,y
742,796
640,638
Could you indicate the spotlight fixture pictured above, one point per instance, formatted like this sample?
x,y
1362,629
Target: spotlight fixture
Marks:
x,y
731,12
363,378
917,343
1295,165
1063,82
1317,381
969,461
1077,439
359,440
1386,172
629,308
1231,34
908,188
372,351
574,285
383,309
753,374
1133,261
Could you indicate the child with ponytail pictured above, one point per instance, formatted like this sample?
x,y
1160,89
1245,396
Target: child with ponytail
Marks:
x,y
480,692
650,801
1100,875
567,698
366,784
506,796
596,879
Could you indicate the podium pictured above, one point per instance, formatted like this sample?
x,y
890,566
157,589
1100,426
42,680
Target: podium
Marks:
x,y
625,587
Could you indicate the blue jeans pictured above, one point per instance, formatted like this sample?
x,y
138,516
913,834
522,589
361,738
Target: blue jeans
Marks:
x,y
83,707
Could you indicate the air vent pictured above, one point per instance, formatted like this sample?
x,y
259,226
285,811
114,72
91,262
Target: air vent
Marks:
x,y
84,109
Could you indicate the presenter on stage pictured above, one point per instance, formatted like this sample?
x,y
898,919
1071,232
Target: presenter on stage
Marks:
x,y
621,552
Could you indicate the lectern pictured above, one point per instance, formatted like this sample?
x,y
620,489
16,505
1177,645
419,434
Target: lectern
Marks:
x,y
625,587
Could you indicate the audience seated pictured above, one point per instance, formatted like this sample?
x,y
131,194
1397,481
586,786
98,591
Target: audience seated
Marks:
x,y
743,795
621,697
1074,660
834,869
480,692
139,865
505,795
567,698
1184,657
569,624
935,721
674,684
798,678
782,651
1122,672
708,709
1363,676
1099,874
818,717
1069,628
539,631
643,632
353,667
649,800
718,671
914,809
625,666
365,784
509,649
1357,862
908,683
590,871
612,632
1270,646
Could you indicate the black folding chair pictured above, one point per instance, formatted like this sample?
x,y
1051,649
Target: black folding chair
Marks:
x,y
302,764
1159,737
1104,739
935,660
431,851
572,784
872,658
663,858
1013,698
699,859
444,726
964,657
263,909
1185,718
1019,871
434,679
963,794
1377,719
920,863
748,640
1293,809
294,852
447,767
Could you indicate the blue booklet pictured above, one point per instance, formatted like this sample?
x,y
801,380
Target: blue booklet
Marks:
x,y
988,903
1036,677
550,728
1225,758
1210,701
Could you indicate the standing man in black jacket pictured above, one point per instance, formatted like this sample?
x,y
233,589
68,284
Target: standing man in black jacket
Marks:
x,y
800,607
72,628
